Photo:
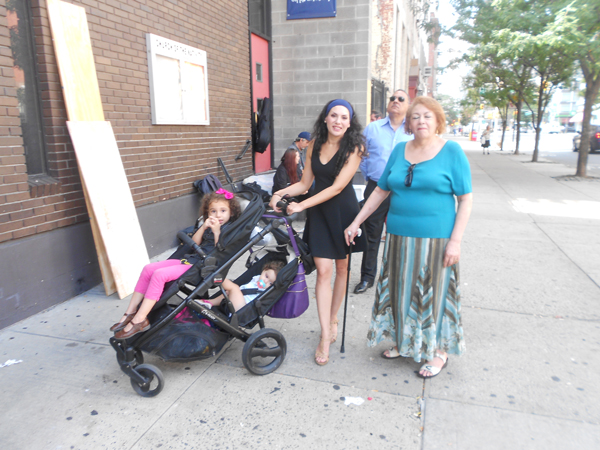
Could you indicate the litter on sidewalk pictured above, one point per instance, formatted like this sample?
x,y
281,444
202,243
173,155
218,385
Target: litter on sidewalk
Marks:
x,y
10,362
354,401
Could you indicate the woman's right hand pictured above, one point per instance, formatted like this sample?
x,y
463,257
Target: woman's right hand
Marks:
x,y
351,232
273,203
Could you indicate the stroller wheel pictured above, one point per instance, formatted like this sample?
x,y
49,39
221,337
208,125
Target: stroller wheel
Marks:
x,y
154,380
264,351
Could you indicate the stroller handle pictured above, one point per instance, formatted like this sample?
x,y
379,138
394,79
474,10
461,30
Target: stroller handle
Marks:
x,y
183,237
282,205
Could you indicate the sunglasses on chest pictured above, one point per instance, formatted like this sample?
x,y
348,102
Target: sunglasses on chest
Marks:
x,y
409,177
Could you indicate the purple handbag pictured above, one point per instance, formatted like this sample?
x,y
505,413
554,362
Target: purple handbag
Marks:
x,y
295,300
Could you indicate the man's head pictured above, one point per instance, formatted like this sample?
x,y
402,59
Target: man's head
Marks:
x,y
398,103
302,140
375,115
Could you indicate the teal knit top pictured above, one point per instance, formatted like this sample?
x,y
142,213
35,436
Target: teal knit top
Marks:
x,y
426,209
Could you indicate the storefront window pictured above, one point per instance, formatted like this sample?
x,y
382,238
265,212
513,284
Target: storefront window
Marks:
x,y
25,69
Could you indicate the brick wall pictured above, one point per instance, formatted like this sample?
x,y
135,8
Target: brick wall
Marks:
x,y
317,60
382,31
393,39
161,162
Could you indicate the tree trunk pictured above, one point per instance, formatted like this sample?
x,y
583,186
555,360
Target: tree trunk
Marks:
x,y
519,105
592,86
504,123
538,122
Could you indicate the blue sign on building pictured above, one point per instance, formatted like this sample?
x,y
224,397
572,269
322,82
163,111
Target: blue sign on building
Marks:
x,y
310,9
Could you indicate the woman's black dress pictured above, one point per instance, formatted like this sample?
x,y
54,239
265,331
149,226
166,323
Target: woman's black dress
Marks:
x,y
325,224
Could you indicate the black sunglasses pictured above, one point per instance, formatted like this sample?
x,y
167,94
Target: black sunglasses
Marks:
x,y
400,99
409,177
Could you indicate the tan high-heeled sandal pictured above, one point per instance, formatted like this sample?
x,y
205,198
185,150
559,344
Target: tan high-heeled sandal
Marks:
x,y
333,336
321,355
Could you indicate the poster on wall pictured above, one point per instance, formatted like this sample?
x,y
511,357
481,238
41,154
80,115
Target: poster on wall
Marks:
x,y
310,9
178,82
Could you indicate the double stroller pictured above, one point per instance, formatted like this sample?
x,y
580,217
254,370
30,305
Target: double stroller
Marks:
x,y
183,329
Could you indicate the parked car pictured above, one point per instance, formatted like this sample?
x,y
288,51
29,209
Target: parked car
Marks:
x,y
570,128
526,127
552,128
594,140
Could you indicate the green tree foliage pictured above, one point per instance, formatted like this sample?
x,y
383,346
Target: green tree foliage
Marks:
x,y
492,89
469,107
452,108
477,24
577,26
527,39
515,45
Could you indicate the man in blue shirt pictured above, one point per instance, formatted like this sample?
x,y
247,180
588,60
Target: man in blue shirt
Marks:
x,y
381,136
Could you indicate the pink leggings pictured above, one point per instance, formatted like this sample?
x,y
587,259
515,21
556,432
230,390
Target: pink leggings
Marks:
x,y
155,275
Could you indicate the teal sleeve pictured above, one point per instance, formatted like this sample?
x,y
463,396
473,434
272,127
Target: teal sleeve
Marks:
x,y
383,180
461,173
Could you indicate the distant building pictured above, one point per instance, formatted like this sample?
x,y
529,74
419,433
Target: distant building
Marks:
x,y
369,49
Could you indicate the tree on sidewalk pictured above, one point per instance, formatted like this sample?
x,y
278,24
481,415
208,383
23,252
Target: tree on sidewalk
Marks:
x,y
477,23
495,82
577,26
529,41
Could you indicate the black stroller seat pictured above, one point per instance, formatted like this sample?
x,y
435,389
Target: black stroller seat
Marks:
x,y
184,329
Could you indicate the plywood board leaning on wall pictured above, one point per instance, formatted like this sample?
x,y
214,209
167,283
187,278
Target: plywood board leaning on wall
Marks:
x,y
102,169
73,49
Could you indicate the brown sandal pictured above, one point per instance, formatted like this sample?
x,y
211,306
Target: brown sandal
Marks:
x,y
135,329
120,325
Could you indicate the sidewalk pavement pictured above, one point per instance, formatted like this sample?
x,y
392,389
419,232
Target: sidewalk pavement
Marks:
x,y
528,380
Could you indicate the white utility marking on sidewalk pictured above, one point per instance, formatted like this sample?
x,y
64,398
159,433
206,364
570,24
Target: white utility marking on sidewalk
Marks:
x,y
582,209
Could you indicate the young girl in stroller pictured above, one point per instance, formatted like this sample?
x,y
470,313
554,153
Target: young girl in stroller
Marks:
x,y
218,209
240,296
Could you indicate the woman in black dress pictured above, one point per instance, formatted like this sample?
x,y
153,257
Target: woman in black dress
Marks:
x,y
334,155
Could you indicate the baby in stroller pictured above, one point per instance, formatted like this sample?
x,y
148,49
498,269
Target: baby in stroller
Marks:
x,y
240,296
183,328
217,209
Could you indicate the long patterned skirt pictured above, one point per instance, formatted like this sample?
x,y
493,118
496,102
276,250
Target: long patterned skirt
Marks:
x,y
417,302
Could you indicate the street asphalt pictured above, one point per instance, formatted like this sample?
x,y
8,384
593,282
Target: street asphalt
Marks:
x,y
530,278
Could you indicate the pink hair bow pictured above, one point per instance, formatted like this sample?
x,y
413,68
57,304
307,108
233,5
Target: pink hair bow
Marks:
x,y
228,195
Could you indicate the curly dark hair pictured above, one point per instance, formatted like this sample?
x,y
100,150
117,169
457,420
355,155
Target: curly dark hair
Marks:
x,y
234,205
275,266
352,139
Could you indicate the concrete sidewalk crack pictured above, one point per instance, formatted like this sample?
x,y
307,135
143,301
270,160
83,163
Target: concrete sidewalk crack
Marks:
x,y
170,406
563,252
537,224
62,338
543,316
513,411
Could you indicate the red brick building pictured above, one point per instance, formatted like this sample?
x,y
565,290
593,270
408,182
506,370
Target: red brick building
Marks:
x,y
47,252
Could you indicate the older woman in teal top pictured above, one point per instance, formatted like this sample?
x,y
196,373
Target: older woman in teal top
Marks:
x,y
417,303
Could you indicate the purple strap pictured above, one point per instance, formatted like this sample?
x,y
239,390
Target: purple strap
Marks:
x,y
290,233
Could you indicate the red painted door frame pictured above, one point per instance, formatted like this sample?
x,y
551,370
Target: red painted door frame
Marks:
x,y
259,49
